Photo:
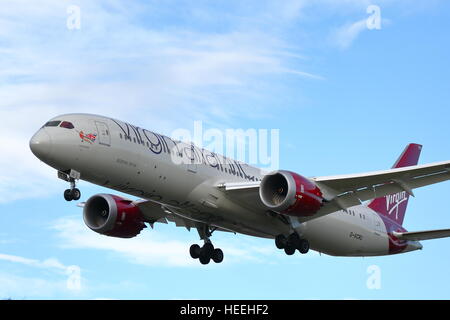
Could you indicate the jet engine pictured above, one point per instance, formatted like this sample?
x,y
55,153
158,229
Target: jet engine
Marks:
x,y
113,216
290,193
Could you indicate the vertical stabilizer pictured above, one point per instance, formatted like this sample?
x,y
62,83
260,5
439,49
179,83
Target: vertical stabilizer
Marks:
x,y
394,205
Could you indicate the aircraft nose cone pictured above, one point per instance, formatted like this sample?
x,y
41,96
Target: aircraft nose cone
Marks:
x,y
40,144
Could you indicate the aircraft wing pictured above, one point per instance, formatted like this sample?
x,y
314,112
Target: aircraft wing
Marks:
x,y
155,212
422,235
345,191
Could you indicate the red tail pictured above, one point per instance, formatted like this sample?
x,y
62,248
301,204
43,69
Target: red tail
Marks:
x,y
394,205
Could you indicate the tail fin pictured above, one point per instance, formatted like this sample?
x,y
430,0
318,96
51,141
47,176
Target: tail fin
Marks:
x,y
394,205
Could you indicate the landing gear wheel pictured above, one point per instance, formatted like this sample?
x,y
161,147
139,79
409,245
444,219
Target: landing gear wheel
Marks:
x,y
195,250
304,246
289,250
204,258
217,255
68,195
293,240
208,249
76,194
206,253
280,241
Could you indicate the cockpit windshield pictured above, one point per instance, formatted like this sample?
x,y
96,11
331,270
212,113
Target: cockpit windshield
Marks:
x,y
54,123
67,125
59,123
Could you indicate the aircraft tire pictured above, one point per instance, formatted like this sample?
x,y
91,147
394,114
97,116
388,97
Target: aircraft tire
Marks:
x,y
76,194
204,258
217,255
304,246
293,240
289,250
68,195
208,249
280,241
194,251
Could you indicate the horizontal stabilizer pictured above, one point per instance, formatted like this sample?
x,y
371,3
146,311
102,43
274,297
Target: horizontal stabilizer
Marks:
x,y
422,235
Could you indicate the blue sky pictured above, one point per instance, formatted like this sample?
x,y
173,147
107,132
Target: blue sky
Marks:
x,y
345,98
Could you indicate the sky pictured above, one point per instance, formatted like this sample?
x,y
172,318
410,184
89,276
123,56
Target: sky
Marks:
x,y
346,86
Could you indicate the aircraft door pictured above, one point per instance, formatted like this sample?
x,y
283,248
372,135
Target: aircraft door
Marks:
x,y
377,223
104,136
192,159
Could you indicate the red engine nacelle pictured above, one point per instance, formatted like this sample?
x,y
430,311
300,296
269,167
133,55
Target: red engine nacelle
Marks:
x,y
113,216
290,193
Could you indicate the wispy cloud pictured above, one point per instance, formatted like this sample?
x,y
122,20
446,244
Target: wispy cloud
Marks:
x,y
344,36
12,285
148,62
29,287
153,248
125,66
51,263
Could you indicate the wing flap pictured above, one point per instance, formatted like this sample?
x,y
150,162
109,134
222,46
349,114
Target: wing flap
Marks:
x,y
155,212
422,235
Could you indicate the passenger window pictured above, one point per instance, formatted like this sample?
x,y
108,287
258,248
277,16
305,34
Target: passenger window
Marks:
x,y
67,125
52,123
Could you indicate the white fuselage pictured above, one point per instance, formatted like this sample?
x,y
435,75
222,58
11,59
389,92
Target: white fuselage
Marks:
x,y
155,167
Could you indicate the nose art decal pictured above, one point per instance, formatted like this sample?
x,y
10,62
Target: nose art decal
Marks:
x,y
88,137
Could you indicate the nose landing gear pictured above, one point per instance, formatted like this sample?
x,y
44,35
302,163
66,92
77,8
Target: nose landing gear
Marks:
x,y
73,193
291,243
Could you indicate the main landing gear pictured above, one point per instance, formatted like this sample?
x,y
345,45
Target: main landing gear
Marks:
x,y
207,252
73,193
291,243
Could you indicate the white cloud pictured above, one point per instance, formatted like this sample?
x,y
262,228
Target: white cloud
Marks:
x,y
345,35
153,248
12,285
121,66
50,263
144,249
145,62
19,287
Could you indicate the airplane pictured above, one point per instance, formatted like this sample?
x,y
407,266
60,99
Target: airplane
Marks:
x,y
344,215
